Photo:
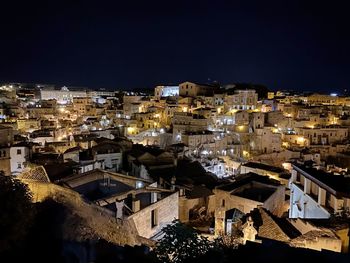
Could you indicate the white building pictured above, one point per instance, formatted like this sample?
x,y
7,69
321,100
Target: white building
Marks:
x,y
317,194
62,96
111,154
19,155
166,91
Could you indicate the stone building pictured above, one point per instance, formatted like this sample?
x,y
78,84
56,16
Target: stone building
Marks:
x,y
6,135
187,122
148,207
192,89
81,105
241,100
5,163
28,125
248,192
266,140
324,136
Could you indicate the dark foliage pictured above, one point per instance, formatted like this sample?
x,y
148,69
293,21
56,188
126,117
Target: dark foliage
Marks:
x,y
16,214
181,244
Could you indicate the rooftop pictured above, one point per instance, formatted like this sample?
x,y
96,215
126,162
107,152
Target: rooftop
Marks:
x,y
338,184
254,191
264,167
248,178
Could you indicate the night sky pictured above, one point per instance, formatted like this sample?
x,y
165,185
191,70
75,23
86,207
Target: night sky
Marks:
x,y
301,45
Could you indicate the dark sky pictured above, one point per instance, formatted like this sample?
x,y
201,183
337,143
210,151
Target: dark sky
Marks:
x,y
301,45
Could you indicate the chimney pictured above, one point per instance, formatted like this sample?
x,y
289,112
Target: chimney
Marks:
x,y
154,197
173,180
119,207
135,204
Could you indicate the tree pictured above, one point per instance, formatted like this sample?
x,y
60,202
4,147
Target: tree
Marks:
x,y
16,211
181,244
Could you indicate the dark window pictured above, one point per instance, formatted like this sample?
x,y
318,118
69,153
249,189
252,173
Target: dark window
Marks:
x,y
223,203
154,218
19,151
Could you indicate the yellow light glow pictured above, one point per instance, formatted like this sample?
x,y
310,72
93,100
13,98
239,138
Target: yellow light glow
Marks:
x,y
300,139
184,109
285,144
130,130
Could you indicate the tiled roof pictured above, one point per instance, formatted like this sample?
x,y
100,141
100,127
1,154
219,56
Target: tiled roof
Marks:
x,y
269,228
312,235
35,174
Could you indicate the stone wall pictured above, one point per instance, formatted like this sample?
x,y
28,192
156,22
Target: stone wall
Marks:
x,y
275,203
85,220
185,205
166,209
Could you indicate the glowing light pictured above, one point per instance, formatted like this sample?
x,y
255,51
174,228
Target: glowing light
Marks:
x,y
285,144
300,139
130,130
245,153
139,184
287,166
